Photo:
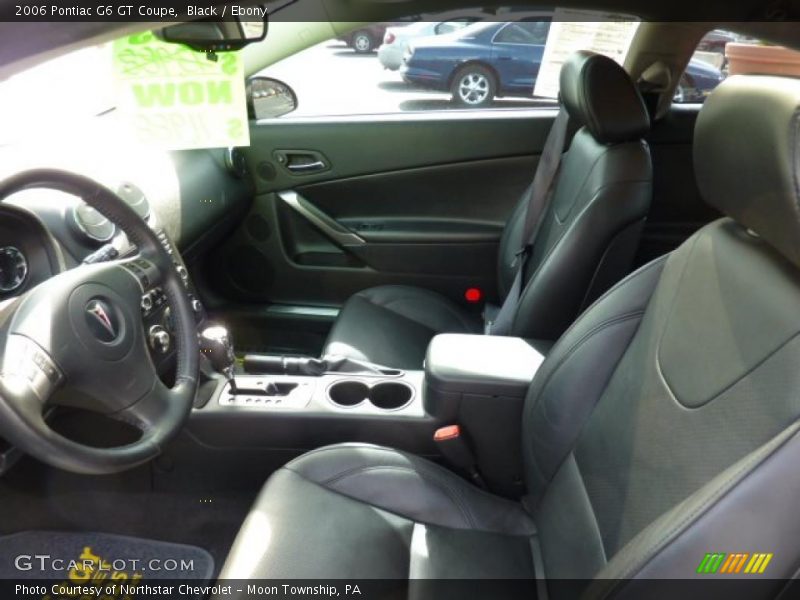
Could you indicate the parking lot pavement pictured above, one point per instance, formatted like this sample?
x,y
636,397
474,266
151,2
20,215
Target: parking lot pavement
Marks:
x,y
331,79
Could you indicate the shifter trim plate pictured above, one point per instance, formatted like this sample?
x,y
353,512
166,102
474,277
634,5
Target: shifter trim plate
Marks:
x,y
297,398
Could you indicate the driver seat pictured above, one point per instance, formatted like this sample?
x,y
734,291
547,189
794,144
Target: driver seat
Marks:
x,y
662,426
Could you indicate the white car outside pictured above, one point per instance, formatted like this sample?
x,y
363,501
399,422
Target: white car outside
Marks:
x,y
396,39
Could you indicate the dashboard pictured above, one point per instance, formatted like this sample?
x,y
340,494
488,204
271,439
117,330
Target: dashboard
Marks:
x,y
190,199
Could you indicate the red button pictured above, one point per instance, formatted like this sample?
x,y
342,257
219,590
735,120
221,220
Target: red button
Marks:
x,y
473,295
447,433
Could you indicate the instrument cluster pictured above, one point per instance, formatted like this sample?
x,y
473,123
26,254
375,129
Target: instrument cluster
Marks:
x,y
28,254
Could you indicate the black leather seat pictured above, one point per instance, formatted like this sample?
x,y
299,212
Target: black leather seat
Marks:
x,y
662,426
586,242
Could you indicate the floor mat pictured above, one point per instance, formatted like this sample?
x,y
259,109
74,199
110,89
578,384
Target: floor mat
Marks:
x,y
55,501
99,557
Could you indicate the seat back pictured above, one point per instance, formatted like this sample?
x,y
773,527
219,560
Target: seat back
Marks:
x,y
590,231
664,424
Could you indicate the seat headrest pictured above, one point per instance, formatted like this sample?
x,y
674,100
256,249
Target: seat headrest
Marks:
x,y
600,95
747,156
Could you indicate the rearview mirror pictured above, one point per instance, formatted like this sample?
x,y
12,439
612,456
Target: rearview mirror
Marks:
x,y
205,35
269,98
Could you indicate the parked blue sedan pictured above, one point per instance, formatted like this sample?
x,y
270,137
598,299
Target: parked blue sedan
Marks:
x,y
487,60
480,62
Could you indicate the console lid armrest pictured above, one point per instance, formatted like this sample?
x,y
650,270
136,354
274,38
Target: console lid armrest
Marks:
x,y
483,364
479,382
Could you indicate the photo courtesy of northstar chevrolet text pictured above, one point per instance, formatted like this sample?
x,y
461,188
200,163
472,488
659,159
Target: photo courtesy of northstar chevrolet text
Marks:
x,y
464,299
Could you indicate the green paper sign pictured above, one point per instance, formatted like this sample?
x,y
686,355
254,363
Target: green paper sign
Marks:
x,y
175,98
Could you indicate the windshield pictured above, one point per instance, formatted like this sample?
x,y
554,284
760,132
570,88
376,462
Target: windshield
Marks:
x,y
57,93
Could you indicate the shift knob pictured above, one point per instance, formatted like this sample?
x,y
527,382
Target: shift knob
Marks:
x,y
216,344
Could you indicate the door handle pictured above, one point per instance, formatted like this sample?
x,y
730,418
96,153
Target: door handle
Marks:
x,y
329,226
301,167
302,162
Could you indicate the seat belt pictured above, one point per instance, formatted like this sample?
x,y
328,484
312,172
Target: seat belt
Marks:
x,y
541,193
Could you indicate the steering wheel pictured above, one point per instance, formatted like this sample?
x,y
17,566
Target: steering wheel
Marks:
x,y
83,330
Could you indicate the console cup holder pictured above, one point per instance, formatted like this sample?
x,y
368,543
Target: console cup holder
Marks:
x,y
390,395
348,393
386,395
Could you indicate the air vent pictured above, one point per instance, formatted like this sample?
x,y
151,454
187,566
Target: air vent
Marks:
x,y
236,162
135,198
91,224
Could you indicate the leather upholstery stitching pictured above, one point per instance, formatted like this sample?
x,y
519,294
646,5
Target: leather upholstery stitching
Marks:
x,y
658,263
432,297
545,260
428,478
363,296
659,368
417,464
574,348
607,151
449,310
590,334
451,493
598,328
645,269
731,385
598,269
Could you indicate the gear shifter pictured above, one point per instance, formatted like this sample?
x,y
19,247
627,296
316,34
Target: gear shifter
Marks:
x,y
216,344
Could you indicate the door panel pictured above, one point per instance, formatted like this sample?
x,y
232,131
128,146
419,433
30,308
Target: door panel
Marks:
x,y
279,255
417,200
370,145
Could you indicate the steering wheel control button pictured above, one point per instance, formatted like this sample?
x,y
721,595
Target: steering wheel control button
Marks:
x,y
145,271
152,301
197,307
102,320
27,364
147,302
159,339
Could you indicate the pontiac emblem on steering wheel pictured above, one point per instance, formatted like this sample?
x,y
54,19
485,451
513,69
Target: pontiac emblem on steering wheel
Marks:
x,y
101,320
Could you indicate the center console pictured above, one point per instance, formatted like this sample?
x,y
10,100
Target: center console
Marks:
x,y
480,382
473,381
365,394
303,403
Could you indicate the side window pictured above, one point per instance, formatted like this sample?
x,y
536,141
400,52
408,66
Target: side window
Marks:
x,y
442,61
450,26
539,29
515,33
524,32
722,53
446,27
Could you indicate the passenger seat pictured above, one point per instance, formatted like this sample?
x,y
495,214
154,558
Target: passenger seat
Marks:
x,y
585,242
